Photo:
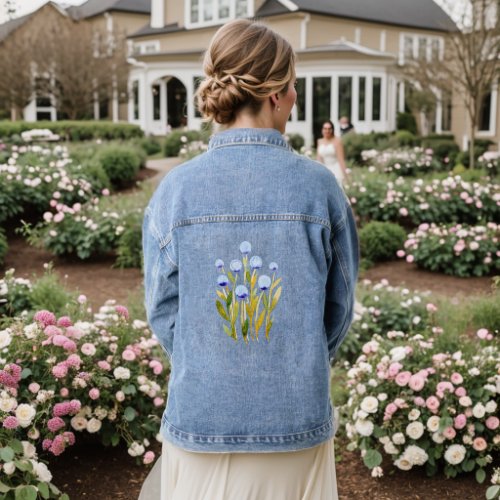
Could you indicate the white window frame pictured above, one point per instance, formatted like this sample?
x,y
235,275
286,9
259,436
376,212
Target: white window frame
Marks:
x,y
415,40
141,48
493,114
216,19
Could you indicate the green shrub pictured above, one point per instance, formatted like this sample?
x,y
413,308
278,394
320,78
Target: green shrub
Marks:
x,y
443,147
354,144
406,121
486,312
129,249
380,241
405,138
120,163
151,145
4,247
75,130
49,293
296,141
176,139
94,172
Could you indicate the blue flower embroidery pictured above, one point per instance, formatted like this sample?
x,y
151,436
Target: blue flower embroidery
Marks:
x,y
246,300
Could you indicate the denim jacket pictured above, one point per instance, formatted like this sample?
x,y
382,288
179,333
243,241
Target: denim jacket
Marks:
x,y
250,262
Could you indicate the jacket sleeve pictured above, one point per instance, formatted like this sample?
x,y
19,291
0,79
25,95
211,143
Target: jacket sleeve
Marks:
x,y
161,284
341,282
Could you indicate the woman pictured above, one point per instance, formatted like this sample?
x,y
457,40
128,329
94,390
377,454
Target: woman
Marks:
x,y
330,152
250,263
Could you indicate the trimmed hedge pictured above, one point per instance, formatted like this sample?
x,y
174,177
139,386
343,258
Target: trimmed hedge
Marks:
x,y
406,121
121,164
176,139
379,241
75,130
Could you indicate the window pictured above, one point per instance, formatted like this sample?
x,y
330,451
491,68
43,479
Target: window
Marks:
x,y
196,83
420,47
377,98
216,11
135,99
156,101
484,121
361,98
435,50
345,96
322,91
408,47
301,99
446,111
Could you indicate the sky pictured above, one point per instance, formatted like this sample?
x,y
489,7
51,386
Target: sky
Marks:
x,y
26,6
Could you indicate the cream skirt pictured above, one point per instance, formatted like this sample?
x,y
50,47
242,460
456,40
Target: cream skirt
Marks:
x,y
298,475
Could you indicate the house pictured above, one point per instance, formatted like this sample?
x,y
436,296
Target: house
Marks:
x,y
111,17
348,57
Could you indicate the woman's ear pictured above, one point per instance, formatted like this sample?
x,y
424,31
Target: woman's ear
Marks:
x,y
275,100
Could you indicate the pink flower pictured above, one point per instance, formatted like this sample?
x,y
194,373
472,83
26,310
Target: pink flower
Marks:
x,y
402,378
158,401
122,311
410,259
74,360
449,433
94,393
432,403
88,349
73,332
10,422
419,401
59,340
431,308
482,333
105,192
148,458
69,437
492,423
69,346
55,423
128,355
403,211
58,445
44,317
393,369
74,406
460,421
104,365
444,386
34,387
46,444
82,299
456,378
460,392
64,321
61,409
400,253
64,392
479,444
52,330
156,366
59,370
416,383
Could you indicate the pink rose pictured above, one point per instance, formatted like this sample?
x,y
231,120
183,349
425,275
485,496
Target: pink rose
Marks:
x,y
479,444
416,383
410,259
419,401
94,393
461,391
64,392
55,423
460,421
492,423
482,333
449,433
122,311
128,355
59,370
158,401
400,253
148,458
456,378
402,378
394,369
10,422
431,308
64,321
432,403
46,318
34,387
104,365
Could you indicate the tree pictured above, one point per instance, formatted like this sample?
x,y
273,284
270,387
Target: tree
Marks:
x,y
469,64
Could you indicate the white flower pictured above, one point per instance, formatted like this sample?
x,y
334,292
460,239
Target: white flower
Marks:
x,y
382,396
9,468
25,414
465,401
403,463
377,472
438,438
397,353
455,454
41,471
34,433
399,438
94,425
384,439
364,427
29,450
7,404
474,372
5,338
479,410
415,430
121,373
136,449
390,449
416,455
490,407
369,404
414,414
361,388
79,423
467,439
433,423
120,396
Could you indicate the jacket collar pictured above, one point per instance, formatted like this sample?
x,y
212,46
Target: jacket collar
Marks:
x,y
238,136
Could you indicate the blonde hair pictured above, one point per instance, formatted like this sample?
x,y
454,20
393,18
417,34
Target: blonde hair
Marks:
x,y
245,63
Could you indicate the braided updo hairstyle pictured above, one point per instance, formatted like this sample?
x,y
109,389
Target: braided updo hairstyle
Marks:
x,y
245,63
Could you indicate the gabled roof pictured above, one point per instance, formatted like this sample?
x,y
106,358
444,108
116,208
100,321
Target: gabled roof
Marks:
x,y
424,14
95,7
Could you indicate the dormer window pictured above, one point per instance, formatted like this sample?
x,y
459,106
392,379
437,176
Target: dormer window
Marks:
x,y
210,12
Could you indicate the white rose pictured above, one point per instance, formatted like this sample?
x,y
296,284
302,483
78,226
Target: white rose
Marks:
x,y
31,331
377,472
94,425
474,372
361,388
415,430
416,455
369,404
7,404
455,454
121,372
120,396
42,472
403,463
433,423
397,353
414,414
28,449
79,423
5,338
136,449
382,396
467,439
399,438
384,439
479,410
390,449
364,427
465,401
438,438
490,407
25,414
9,468
34,433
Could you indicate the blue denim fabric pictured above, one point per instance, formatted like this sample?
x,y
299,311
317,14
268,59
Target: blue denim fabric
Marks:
x,y
229,392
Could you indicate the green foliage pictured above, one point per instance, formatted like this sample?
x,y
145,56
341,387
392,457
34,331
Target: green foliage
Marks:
x,y
49,293
296,141
129,249
406,121
405,138
74,130
176,139
151,145
485,312
121,164
4,246
379,241
443,147
354,144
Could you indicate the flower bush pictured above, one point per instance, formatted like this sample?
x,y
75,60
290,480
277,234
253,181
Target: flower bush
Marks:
x,y
61,378
422,406
14,295
405,162
412,202
459,250
379,241
490,162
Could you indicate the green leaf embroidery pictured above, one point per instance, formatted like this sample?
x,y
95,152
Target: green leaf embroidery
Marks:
x,y
221,310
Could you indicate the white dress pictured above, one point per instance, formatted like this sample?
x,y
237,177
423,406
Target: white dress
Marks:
x,y
329,154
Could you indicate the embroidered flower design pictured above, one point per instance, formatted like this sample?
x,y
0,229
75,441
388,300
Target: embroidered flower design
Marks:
x,y
246,300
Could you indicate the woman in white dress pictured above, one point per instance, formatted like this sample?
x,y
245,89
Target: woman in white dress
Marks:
x,y
331,152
